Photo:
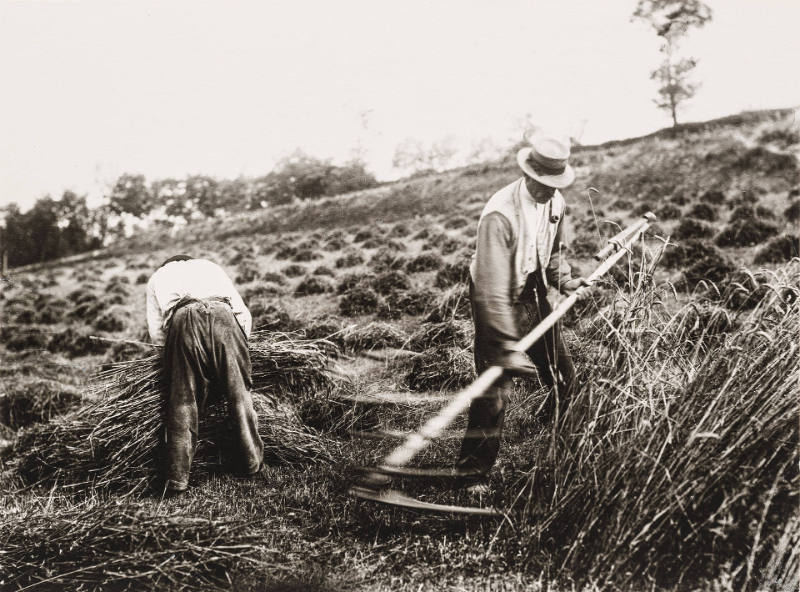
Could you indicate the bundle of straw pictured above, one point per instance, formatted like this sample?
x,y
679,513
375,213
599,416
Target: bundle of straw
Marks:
x,y
679,455
113,443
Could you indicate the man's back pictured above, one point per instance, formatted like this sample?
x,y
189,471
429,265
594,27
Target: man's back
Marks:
x,y
194,278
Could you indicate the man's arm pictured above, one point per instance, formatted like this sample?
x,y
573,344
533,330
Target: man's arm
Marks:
x,y
558,271
155,317
493,298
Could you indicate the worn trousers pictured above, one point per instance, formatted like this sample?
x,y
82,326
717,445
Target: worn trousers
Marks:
x,y
206,354
554,365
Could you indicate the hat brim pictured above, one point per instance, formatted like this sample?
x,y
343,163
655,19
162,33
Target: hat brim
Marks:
x,y
559,181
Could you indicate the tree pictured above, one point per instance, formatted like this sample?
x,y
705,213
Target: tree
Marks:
x,y
130,195
671,20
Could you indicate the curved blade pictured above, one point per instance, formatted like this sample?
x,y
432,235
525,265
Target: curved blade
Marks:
x,y
393,497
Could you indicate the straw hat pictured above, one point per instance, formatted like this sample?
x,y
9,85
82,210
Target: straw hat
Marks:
x,y
546,160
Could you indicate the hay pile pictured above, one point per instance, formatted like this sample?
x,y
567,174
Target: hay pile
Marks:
x,y
127,548
113,443
677,462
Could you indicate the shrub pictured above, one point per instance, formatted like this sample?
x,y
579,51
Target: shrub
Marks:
x,y
142,278
453,273
690,228
349,259
784,136
779,249
702,211
358,300
312,284
25,316
767,162
668,212
294,270
745,233
390,281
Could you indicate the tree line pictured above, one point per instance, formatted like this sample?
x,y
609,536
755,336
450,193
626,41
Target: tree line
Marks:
x,y
55,228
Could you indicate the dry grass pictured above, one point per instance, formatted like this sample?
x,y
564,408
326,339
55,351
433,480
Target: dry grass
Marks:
x,y
113,444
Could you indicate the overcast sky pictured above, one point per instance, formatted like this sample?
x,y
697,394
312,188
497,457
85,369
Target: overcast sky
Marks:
x,y
90,90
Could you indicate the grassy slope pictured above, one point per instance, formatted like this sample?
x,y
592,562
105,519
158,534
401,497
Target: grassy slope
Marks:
x,y
308,529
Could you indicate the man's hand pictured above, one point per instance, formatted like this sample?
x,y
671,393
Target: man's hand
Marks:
x,y
570,286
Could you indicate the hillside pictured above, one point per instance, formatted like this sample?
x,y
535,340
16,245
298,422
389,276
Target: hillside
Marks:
x,y
666,349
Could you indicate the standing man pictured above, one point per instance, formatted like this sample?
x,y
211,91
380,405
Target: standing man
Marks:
x,y
518,254
194,310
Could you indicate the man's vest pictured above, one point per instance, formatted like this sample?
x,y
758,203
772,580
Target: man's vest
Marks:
x,y
533,226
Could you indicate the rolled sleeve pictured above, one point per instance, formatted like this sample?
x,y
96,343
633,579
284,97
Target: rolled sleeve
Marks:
x,y
155,317
493,292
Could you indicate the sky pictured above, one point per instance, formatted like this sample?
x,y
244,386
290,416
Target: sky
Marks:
x,y
92,90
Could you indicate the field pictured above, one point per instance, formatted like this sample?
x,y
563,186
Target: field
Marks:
x,y
675,468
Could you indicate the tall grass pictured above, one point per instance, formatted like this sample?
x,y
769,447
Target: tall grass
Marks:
x,y
677,462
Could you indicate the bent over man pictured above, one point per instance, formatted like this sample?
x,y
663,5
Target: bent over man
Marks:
x,y
194,310
518,253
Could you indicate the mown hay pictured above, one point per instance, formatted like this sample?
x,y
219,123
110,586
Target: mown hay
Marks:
x,y
453,273
358,300
447,333
409,302
114,443
689,228
109,546
390,281
779,249
75,344
746,233
349,258
677,461
440,368
312,284
373,335
26,400
425,261
452,304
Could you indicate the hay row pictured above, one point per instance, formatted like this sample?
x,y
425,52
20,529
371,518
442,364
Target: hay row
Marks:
x,y
113,443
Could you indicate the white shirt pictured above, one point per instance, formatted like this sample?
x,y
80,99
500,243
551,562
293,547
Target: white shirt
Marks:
x,y
198,278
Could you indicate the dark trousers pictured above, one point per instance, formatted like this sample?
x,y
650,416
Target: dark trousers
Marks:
x,y
553,362
206,352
